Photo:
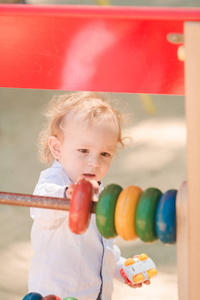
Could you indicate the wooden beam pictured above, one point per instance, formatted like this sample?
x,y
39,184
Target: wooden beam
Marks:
x,y
192,85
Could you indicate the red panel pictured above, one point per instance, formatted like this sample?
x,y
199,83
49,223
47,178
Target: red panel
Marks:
x,y
114,49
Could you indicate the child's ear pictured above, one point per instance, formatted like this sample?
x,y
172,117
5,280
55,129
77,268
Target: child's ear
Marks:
x,y
54,145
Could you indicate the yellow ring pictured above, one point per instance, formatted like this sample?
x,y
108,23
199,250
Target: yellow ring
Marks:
x,y
125,212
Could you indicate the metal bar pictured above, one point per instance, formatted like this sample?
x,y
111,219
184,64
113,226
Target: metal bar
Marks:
x,y
37,201
128,36
137,13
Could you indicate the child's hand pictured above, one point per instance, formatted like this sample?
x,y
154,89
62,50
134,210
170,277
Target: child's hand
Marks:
x,y
133,285
138,270
71,187
69,191
138,285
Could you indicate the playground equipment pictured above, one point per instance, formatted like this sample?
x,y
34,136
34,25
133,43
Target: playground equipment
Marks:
x,y
135,49
129,213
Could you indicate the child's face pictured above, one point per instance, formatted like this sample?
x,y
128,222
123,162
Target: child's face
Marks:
x,y
86,150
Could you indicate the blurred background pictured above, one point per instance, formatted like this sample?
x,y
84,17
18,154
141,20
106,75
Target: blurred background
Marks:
x,y
156,158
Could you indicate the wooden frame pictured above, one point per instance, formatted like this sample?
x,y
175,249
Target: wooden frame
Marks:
x,y
188,217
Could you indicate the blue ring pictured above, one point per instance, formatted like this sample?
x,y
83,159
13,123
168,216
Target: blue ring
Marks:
x,y
33,296
166,217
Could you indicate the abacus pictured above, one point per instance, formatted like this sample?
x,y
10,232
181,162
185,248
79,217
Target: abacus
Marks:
x,y
129,212
136,33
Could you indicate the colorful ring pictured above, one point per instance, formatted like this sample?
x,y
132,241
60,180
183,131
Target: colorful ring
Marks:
x,y
125,212
166,217
80,207
51,297
146,215
33,296
105,210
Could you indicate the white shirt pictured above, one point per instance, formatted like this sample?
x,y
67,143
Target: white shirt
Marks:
x,y
66,264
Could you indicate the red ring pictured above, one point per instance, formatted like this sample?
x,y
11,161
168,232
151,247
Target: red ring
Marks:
x,y
80,207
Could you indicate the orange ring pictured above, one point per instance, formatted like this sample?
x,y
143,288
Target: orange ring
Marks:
x,y
125,212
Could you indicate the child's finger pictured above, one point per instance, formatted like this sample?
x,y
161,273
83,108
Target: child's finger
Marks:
x,y
135,285
67,194
95,186
80,178
95,199
71,188
70,191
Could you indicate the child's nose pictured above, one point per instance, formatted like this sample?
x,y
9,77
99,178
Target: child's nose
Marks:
x,y
94,161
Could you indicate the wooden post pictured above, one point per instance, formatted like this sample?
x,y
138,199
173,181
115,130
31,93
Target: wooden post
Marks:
x,y
192,85
182,241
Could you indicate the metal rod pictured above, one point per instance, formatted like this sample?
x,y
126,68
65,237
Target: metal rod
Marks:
x,y
37,201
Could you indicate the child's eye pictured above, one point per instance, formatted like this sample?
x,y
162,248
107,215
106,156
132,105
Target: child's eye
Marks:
x,y
105,154
83,150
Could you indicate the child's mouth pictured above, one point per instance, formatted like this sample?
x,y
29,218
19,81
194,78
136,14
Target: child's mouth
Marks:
x,y
89,175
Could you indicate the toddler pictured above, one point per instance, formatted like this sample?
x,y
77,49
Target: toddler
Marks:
x,y
81,137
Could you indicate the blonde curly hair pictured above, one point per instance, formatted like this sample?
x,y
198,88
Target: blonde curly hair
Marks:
x,y
94,106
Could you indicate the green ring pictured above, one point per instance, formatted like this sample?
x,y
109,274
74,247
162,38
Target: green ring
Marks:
x,y
146,214
105,210
70,298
